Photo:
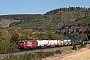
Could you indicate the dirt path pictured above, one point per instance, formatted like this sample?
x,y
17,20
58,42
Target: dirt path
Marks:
x,y
84,55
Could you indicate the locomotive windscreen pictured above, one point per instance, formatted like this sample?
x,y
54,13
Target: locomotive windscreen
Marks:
x,y
20,42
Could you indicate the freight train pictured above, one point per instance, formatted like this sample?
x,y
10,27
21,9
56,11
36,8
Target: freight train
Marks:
x,y
32,44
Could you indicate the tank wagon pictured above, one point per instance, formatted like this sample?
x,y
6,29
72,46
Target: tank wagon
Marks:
x,y
75,41
67,42
42,43
32,44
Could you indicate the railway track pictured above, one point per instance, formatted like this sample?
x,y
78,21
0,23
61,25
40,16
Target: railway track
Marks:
x,y
21,52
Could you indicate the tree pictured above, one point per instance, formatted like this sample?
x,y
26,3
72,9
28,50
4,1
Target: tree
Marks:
x,y
83,37
89,34
79,36
74,35
15,37
26,34
4,45
49,34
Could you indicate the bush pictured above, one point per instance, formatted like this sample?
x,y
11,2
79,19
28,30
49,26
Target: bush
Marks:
x,y
58,52
44,54
74,47
82,45
31,56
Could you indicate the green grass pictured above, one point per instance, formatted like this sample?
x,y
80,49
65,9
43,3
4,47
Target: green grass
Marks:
x,y
55,24
81,21
40,24
30,56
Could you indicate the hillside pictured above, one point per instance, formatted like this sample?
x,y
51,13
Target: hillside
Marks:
x,y
8,20
25,17
84,21
6,23
53,19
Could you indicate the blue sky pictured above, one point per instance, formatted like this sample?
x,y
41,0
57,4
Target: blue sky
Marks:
x,y
37,6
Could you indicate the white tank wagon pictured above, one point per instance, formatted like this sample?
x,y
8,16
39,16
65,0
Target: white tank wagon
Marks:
x,y
60,43
67,42
42,43
52,43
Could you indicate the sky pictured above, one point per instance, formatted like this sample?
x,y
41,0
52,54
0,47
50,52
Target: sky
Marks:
x,y
37,6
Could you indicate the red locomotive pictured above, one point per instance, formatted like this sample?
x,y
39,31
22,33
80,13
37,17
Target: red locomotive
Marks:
x,y
26,44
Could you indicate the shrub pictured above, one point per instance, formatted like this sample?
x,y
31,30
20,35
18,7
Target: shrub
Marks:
x,y
58,52
31,56
44,54
74,47
82,45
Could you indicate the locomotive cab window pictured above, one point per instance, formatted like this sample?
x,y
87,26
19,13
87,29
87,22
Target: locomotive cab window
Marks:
x,y
20,42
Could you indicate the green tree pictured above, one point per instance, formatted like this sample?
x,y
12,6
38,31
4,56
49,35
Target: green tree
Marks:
x,y
15,37
53,36
49,34
89,34
83,37
79,36
26,34
4,46
74,35
40,36
74,47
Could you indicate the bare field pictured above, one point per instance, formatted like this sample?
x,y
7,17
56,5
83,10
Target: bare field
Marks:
x,y
82,54
6,22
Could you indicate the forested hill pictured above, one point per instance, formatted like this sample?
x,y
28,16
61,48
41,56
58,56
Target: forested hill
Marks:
x,y
20,16
70,13
51,19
